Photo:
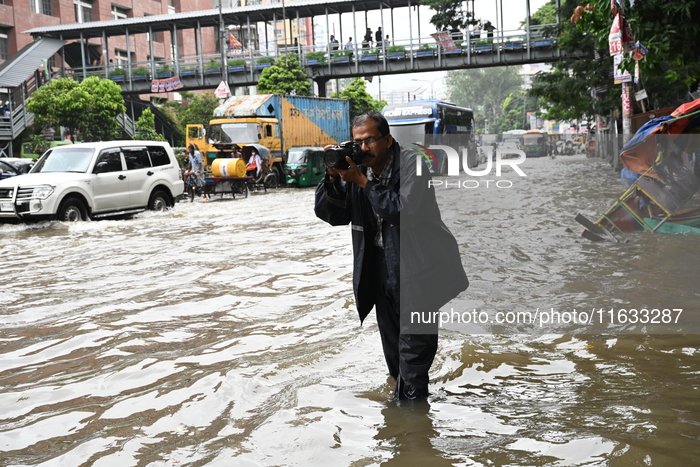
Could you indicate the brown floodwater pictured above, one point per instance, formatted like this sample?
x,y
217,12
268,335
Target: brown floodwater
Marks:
x,y
225,333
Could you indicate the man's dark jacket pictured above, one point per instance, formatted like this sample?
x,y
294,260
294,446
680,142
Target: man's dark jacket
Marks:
x,y
421,254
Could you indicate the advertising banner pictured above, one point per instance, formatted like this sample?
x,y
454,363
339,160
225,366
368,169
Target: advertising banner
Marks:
x,y
445,40
166,85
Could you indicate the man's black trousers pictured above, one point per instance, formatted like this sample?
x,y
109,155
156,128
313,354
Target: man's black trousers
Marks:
x,y
408,356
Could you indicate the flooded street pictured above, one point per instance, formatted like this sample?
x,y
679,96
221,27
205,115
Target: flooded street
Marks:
x,y
225,333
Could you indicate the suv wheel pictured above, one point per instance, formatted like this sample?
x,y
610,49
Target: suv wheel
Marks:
x,y
159,201
71,210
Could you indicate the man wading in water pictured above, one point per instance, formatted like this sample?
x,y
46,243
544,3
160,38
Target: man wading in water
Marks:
x,y
406,261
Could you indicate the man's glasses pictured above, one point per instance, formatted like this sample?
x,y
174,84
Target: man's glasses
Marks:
x,y
368,141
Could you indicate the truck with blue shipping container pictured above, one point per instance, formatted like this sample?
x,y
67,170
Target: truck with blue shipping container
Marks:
x,y
276,121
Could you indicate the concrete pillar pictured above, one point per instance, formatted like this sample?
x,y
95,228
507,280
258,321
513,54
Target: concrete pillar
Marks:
x,y
321,83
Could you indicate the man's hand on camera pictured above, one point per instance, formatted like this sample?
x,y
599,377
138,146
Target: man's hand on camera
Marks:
x,y
353,174
332,172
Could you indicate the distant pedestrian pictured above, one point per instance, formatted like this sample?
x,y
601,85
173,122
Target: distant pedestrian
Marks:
x,y
387,42
349,45
367,42
334,43
196,165
489,29
378,36
476,32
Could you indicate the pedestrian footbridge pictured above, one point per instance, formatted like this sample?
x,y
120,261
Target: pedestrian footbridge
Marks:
x,y
414,50
206,72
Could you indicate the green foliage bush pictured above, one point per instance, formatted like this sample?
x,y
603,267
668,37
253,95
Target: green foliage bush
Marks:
x,y
142,70
342,53
320,56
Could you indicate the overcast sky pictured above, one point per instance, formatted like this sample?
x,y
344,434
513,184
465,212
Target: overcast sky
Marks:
x,y
514,11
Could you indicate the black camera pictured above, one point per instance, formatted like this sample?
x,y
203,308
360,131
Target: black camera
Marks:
x,y
335,157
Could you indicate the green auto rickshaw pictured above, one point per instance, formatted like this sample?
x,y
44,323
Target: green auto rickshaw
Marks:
x,y
304,166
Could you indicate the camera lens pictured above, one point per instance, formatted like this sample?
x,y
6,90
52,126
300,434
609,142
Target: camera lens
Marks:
x,y
331,158
335,159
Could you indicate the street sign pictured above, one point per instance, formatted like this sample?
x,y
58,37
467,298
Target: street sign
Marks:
x,y
222,91
640,95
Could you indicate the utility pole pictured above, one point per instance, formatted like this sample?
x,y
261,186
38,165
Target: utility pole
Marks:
x,y
222,40
626,98
284,25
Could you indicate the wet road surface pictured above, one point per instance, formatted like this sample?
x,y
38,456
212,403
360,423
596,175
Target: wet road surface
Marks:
x,y
225,333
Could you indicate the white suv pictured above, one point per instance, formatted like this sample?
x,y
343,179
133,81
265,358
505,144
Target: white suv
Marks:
x,y
94,180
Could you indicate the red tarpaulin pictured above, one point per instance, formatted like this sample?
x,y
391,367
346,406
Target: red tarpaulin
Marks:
x,y
641,152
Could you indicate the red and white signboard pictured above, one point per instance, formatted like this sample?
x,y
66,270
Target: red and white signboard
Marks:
x,y
620,38
222,91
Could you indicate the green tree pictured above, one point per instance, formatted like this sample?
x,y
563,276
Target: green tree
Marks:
x,y
514,112
546,14
484,89
53,105
88,108
200,109
104,102
360,100
146,127
672,67
565,92
192,109
668,72
285,76
449,14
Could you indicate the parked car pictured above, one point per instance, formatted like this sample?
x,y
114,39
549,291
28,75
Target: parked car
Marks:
x,y
94,180
13,166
